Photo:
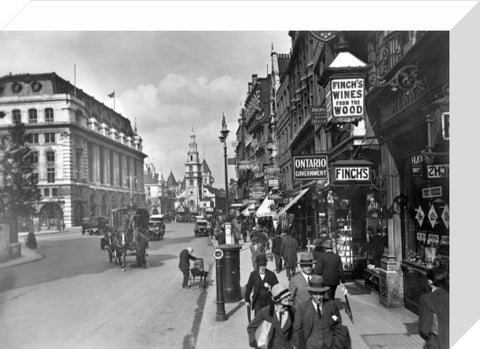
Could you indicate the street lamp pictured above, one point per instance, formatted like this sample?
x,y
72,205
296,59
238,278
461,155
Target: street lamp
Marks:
x,y
223,138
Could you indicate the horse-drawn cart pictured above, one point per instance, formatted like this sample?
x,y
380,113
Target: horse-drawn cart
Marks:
x,y
127,235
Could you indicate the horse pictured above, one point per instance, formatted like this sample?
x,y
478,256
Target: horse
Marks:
x,y
134,237
257,248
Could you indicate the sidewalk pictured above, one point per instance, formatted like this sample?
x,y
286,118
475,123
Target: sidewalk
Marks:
x,y
28,255
375,326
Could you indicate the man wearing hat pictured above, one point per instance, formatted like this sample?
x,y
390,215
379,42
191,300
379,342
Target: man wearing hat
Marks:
x,y
299,283
184,264
288,251
280,315
316,320
329,265
259,285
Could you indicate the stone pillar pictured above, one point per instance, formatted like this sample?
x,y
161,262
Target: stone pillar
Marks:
x,y
4,241
391,278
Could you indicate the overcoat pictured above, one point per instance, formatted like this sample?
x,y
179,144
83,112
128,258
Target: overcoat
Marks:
x,y
255,281
329,265
289,251
298,287
280,337
304,323
434,302
185,257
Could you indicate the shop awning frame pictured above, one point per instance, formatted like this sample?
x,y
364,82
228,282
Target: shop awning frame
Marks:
x,y
292,202
264,209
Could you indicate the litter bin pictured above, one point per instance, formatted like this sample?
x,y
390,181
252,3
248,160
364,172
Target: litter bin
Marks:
x,y
231,272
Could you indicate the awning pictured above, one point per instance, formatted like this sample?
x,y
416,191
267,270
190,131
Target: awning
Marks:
x,y
264,209
293,201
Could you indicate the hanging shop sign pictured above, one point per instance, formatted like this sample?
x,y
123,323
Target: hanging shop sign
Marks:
x,y
310,167
433,192
416,162
232,161
319,115
351,174
273,183
345,100
245,165
438,171
446,126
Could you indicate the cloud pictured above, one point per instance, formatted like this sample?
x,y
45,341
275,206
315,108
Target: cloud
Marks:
x,y
166,113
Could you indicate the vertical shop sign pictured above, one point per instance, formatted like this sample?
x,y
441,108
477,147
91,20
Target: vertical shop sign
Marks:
x,y
416,162
345,99
319,116
420,216
310,167
432,216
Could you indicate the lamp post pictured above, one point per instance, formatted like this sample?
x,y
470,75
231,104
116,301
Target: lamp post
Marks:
x,y
223,138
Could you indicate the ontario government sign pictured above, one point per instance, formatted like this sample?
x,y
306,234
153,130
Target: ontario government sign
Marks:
x,y
307,167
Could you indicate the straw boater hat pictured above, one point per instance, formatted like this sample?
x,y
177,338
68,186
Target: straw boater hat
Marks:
x,y
316,285
261,260
327,243
279,292
306,259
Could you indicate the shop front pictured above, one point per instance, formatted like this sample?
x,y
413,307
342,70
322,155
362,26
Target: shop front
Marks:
x,y
412,123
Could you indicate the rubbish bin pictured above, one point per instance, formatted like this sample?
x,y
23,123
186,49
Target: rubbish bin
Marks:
x,y
231,272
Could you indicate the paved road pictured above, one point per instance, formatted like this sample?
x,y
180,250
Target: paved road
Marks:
x,y
75,298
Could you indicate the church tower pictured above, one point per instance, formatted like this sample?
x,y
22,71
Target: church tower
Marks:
x,y
193,176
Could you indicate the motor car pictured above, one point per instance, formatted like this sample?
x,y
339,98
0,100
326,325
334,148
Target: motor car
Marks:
x,y
94,225
156,227
202,227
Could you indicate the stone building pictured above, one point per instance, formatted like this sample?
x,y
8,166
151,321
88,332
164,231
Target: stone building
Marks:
x,y
89,158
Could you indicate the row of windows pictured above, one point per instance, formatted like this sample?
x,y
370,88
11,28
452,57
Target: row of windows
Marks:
x,y
50,176
50,156
32,115
48,137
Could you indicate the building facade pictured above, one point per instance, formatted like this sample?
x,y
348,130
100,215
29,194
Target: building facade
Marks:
x,y
89,158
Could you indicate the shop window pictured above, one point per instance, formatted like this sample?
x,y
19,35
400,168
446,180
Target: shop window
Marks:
x,y
51,175
16,116
32,116
49,115
50,137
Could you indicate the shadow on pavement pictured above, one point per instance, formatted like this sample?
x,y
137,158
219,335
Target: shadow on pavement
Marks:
x,y
234,310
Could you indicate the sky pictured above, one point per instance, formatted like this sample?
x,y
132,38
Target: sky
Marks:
x,y
167,82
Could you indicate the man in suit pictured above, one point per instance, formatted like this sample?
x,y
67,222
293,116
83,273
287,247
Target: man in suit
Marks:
x,y
276,250
298,284
259,285
433,311
280,315
289,253
329,265
316,320
184,264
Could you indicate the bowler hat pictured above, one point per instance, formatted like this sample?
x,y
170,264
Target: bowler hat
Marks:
x,y
317,242
279,292
327,243
306,259
261,260
316,285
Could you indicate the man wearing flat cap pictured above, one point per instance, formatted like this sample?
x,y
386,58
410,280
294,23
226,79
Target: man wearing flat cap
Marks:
x,y
329,265
317,319
280,316
299,282
259,286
